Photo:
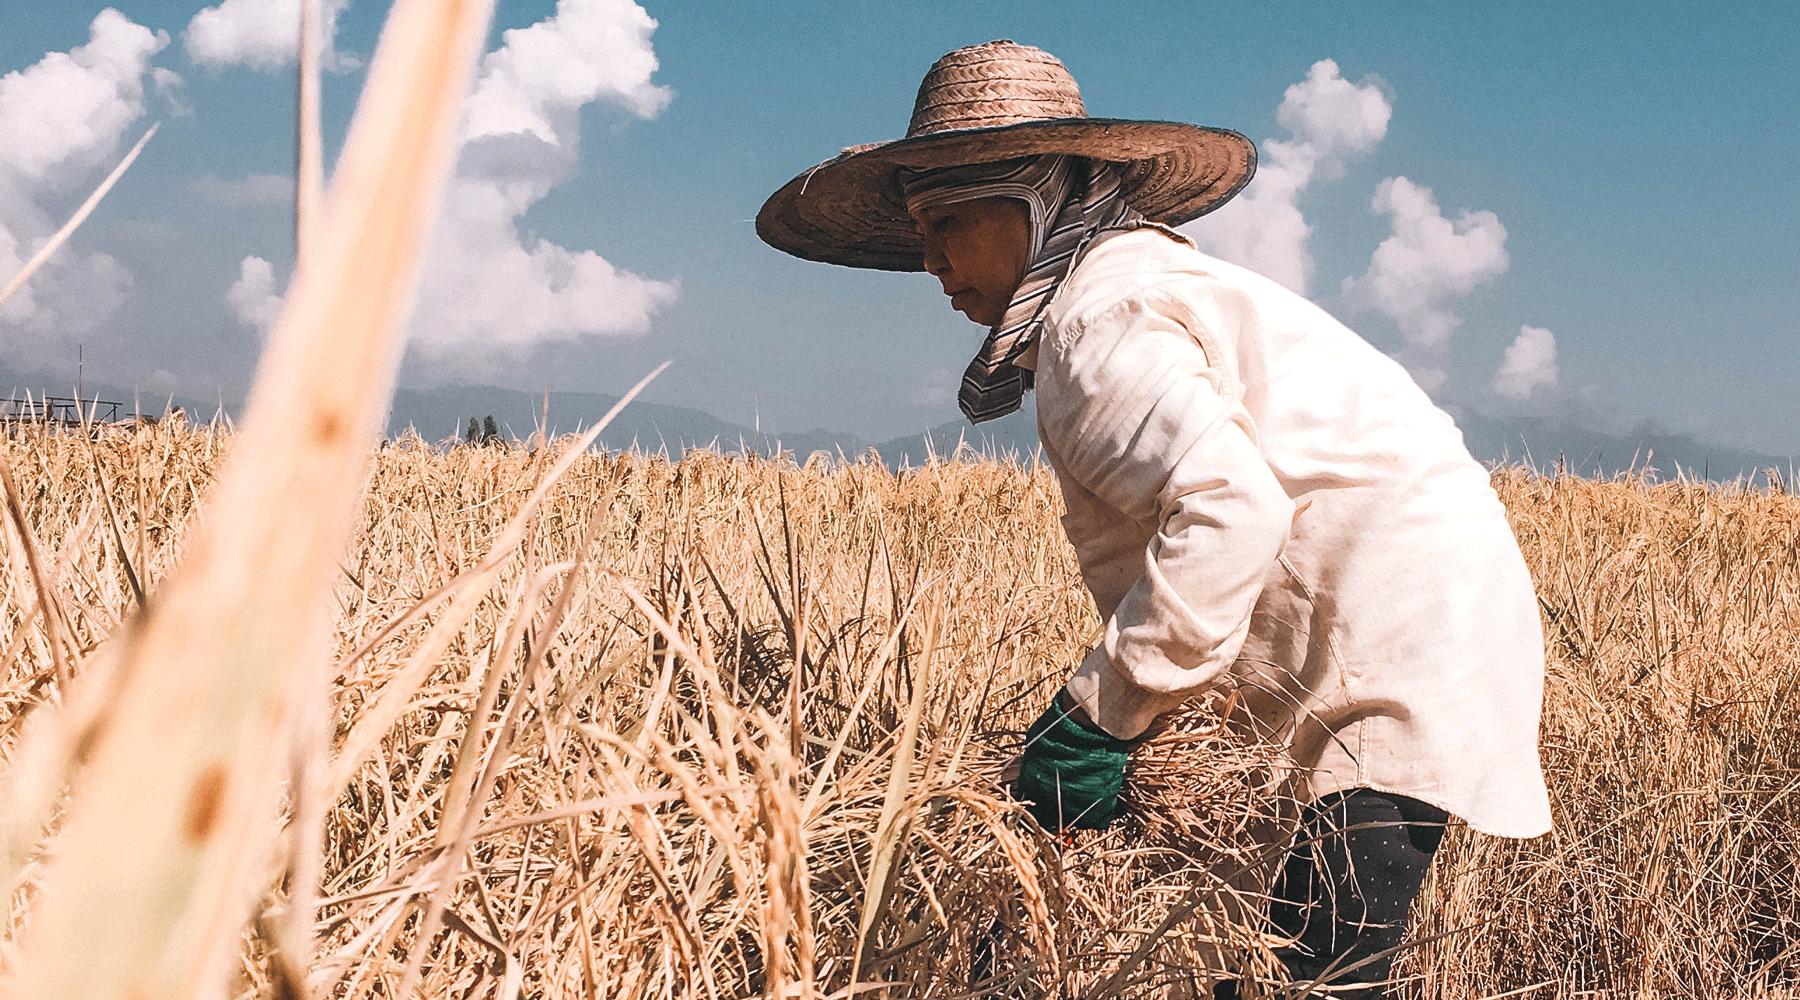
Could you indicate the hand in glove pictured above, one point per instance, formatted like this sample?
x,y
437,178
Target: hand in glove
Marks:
x,y
1072,771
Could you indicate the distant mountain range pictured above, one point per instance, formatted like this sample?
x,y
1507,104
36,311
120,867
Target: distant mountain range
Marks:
x,y
443,412
1588,452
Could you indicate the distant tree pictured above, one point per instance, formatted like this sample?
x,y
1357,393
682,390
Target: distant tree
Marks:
x,y
473,434
490,431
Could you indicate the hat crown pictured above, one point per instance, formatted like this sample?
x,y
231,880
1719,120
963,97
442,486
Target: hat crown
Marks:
x,y
994,84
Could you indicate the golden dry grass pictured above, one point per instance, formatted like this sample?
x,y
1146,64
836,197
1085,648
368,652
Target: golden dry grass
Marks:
x,y
731,727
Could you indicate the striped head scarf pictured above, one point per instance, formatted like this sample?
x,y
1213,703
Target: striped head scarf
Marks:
x,y
1071,200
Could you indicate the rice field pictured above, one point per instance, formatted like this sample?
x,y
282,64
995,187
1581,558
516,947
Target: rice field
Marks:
x,y
287,714
733,727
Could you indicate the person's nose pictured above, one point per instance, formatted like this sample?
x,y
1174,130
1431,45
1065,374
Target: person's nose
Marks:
x,y
936,264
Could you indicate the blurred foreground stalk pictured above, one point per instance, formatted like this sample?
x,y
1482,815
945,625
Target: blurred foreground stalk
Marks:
x,y
173,810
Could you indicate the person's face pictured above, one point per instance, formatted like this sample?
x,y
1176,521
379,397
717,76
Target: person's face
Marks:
x,y
977,250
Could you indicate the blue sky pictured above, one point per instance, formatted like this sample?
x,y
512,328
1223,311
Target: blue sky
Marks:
x,y
1642,161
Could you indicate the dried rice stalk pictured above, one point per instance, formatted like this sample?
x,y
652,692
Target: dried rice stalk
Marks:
x,y
1203,780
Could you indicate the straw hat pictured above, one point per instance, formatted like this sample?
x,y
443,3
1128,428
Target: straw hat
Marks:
x,y
995,101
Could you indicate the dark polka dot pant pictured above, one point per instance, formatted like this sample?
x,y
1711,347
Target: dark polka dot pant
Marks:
x,y
1344,892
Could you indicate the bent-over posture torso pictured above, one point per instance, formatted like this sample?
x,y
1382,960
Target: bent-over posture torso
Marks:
x,y
1256,494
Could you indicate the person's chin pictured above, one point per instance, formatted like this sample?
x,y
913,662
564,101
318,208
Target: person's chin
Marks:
x,y
973,314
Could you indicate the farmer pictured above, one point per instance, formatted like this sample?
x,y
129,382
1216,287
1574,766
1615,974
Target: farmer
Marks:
x,y
1256,496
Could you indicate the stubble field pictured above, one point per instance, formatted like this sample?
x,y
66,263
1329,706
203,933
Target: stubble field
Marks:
x,y
732,727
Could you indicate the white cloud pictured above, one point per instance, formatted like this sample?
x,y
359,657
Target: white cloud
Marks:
x,y
487,283
171,91
254,189
252,297
1330,121
490,289
62,118
261,34
23,302
1529,363
1335,119
588,50
1263,228
487,286
73,294
67,111
1426,262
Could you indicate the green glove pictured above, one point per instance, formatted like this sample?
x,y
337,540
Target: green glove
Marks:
x,y
1071,772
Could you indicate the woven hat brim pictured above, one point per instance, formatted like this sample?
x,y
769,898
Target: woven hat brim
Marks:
x,y
849,210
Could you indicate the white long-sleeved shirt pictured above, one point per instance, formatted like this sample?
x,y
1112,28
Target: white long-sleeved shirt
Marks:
x,y
1257,495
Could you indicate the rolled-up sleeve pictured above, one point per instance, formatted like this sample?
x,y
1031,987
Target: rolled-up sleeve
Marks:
x,y
1138,415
